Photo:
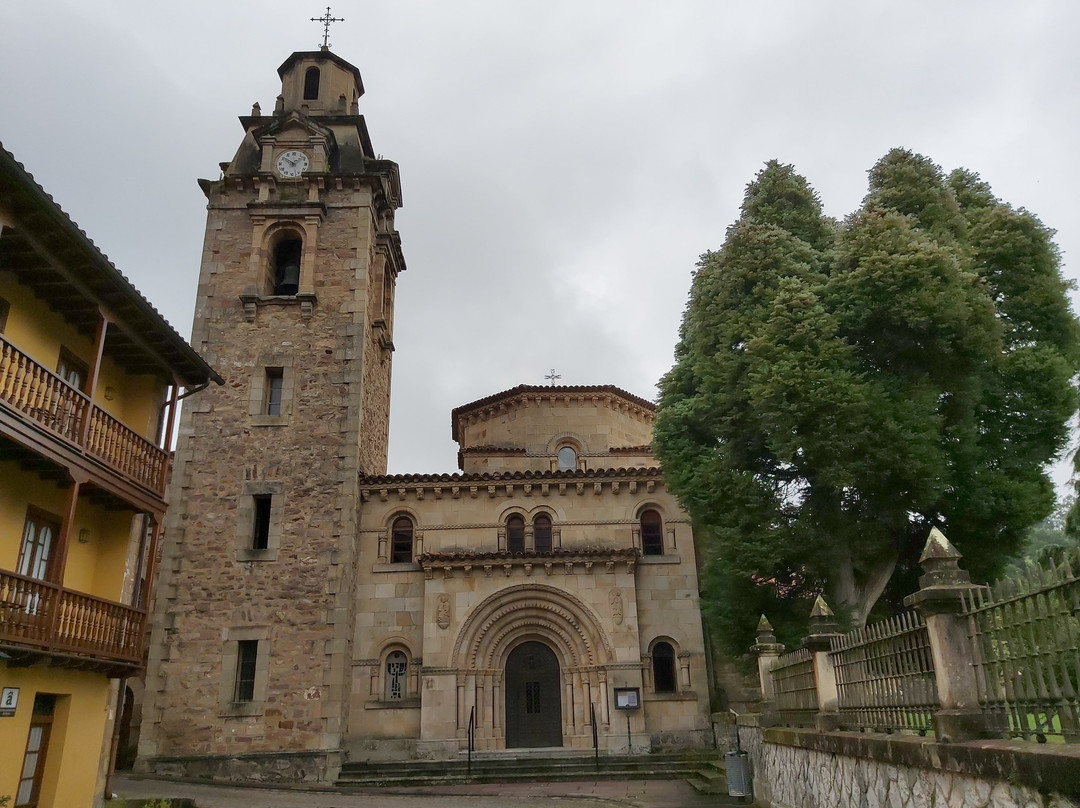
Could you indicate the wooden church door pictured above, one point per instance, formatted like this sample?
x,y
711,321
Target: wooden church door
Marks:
x,y
533,697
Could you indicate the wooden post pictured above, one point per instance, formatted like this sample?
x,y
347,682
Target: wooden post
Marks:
x,y
92,377
151,560
939,602
58,562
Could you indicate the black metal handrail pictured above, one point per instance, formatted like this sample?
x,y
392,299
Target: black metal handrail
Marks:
x,y
595,741
472,739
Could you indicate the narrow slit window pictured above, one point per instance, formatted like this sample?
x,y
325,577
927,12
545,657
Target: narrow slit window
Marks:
x,y
286,265
260,533
542,534
663,663
401,549
652,533
275,383
311,84
567,459
397,665
515,534
247,654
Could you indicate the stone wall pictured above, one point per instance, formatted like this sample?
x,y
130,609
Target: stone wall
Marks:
x,y
808,769
585,589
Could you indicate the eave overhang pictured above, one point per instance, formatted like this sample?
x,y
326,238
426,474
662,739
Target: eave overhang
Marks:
x,y
79,281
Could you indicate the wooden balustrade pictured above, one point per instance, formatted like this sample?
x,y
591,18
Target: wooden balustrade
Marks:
x,y
26,606
51,618
125,451
48,400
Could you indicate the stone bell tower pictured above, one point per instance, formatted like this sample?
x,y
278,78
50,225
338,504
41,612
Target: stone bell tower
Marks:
x,y
250,655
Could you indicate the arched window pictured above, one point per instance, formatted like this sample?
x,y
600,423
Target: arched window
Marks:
x,y
542,533
285,265
652,533
567,459
515,534
663,668
401,541
311,84
397,669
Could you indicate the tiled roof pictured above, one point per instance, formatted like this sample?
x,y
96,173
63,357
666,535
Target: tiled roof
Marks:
x,y
22,192
508,476
536,389
561,553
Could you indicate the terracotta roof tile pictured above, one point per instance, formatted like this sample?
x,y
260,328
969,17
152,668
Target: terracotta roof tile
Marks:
x,y
508,476
538,389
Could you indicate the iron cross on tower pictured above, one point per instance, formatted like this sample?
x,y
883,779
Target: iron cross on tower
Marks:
x,y
326,19
552,376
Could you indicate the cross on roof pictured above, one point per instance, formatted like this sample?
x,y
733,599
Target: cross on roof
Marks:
x,y
326,19
552,377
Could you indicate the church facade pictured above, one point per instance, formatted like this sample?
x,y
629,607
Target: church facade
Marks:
x,y
312,609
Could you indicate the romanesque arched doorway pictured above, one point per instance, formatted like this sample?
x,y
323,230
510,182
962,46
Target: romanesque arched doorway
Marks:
x,y
533,700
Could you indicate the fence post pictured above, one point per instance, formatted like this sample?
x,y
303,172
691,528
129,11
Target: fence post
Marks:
x,y
939,602
819,641
768,650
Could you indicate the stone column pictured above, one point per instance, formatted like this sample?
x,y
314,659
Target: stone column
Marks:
x,y
602,695
939,602
768,650
497,704
580,688
482,717
462,709
684,669
818,642
568,703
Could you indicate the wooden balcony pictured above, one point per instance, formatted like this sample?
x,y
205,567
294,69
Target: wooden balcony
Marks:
x,y
43,397
42,617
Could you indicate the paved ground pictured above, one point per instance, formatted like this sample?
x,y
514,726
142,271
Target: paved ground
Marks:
x,y
579,794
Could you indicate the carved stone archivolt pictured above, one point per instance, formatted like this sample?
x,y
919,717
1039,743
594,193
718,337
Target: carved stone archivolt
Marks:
x,y
531,611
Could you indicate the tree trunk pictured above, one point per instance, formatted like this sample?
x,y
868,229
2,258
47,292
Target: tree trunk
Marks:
x,y
859,591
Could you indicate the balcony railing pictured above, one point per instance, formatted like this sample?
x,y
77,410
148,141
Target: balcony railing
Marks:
x,y
51,402
47,617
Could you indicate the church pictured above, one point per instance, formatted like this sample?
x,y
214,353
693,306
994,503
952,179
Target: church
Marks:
x,y
313,610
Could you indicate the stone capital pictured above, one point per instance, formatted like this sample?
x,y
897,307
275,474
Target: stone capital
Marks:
x,y
941,599
767,648
817,643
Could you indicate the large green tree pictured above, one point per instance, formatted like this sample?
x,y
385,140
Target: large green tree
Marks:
x,y
841,387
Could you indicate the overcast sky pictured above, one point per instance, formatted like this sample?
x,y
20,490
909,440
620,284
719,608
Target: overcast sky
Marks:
x,y
563,162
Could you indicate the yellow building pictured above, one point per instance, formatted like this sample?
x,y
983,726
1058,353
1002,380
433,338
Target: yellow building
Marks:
x,y
90,375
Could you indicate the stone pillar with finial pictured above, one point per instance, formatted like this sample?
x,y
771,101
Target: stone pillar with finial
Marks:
x,y
939,603
768,650
823,628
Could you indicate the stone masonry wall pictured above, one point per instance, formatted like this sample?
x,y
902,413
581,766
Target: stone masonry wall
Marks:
x,y
787,776
299,596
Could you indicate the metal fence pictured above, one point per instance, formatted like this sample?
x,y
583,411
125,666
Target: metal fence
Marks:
x,y
796,693
885,676
1025,636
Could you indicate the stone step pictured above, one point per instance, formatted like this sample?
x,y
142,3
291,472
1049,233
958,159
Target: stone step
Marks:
x,y
719,794
514,768
507,777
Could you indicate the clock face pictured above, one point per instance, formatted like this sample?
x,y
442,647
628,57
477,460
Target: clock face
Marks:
x,y
292,163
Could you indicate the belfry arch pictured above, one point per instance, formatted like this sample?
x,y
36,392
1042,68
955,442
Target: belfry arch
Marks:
x,y
511,619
